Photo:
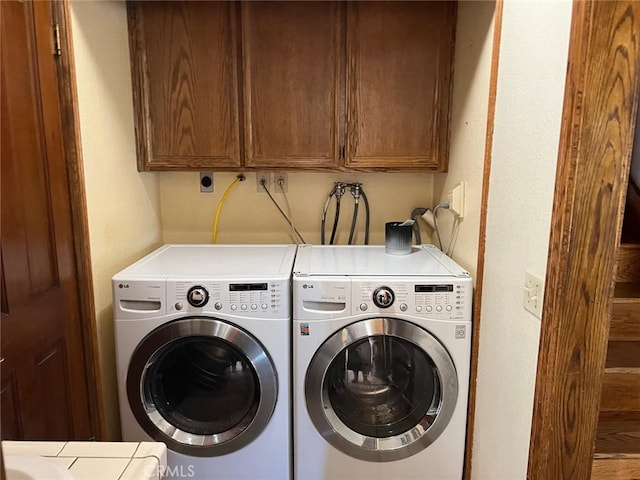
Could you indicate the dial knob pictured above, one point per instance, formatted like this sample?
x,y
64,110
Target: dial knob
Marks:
x,y
198,296
383,297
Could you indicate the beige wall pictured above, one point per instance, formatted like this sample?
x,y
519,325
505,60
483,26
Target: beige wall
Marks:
x,y
123,205
250,217
530,92
472,71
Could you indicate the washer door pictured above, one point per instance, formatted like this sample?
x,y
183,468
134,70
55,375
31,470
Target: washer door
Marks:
x,y
381,389
203,386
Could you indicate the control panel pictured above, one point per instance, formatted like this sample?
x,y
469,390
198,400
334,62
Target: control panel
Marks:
x,y
247,299
449,299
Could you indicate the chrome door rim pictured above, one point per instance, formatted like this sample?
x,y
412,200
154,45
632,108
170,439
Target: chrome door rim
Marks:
x,y
363,447
179,440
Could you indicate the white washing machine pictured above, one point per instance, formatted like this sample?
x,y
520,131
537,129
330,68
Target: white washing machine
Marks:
x,y
203,335
381,349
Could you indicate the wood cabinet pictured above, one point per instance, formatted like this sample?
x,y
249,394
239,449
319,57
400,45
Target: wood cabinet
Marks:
x,y
292,85
399,58
185,84
292,60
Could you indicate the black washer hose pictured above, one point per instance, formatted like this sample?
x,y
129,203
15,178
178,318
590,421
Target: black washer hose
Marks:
x,y
366,214
353,222
335,221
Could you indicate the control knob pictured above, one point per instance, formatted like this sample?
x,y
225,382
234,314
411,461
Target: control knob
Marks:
x,y
383,297
198,296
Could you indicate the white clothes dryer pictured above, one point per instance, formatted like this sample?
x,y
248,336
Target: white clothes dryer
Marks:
x,y
381,363
203,336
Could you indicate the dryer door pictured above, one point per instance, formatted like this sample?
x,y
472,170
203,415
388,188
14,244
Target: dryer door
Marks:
x,y
201,385
381,389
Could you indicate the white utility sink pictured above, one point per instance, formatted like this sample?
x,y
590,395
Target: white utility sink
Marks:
x,y
34,467
28,460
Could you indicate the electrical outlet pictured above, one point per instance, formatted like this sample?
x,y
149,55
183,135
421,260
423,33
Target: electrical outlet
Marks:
x,y
456,200
280,182
260,178
206,182
533,293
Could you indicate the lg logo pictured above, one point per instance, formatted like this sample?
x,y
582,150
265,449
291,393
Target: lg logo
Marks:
x,y
305,285
123,285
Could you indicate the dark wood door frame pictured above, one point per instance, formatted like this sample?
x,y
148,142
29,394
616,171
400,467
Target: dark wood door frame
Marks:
x,y
601,98
71,140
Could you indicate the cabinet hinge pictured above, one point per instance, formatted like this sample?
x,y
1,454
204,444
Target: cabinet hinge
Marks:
x,y
57,50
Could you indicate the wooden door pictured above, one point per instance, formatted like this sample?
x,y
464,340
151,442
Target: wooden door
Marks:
x,y
292,70
185,78
44,379
399,76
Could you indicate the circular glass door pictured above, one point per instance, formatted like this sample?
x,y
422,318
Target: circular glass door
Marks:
x,y
381,389
203,386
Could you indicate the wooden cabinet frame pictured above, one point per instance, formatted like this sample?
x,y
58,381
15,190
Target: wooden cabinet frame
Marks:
x,y
210,96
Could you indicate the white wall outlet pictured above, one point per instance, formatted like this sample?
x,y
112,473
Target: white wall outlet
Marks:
x,y
456,200
260,178
280,182
533,293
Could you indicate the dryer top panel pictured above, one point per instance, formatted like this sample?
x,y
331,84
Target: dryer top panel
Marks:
x,y
223,262
352,260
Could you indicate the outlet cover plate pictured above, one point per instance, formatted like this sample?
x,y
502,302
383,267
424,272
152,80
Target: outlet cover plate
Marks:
x,y
456,200
533,294
280,182
260,176
206,182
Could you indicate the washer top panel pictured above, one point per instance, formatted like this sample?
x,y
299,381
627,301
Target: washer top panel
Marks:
x,y
354,260
214,262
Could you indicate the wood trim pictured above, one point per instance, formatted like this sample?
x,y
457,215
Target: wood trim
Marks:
x,y
477,302
75,174
592,176
142,125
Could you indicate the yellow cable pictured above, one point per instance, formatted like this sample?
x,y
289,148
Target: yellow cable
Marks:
x,y
214,236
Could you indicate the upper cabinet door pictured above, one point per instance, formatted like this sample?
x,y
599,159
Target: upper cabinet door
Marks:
x,y
292,70
399,62
185,75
